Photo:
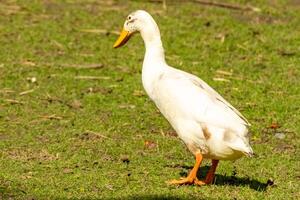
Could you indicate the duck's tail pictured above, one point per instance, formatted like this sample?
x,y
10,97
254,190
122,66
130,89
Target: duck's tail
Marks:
x,y
242,145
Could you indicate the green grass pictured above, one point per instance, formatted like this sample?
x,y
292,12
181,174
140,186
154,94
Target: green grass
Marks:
x,y
51,138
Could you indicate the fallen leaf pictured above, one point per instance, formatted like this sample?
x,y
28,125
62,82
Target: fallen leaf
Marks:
x,y
149,144
274,125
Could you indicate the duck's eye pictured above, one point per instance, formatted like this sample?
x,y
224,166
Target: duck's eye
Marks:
x,y
129,18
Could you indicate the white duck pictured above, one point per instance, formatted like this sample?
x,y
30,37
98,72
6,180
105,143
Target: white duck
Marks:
x,y
209,126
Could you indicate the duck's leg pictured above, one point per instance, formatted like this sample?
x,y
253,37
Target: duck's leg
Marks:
x,y
210,175
190,179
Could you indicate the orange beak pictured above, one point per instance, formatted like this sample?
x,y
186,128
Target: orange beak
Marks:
x,y
123,38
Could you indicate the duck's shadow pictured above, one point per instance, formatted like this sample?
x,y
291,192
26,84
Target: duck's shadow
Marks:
x,y
229,179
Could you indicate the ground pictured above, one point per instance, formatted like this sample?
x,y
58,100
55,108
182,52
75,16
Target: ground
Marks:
x,y
75,122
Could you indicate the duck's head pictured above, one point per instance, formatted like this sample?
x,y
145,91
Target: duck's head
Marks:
x,y
138,21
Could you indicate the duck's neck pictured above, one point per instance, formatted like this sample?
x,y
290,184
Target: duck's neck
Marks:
x,y
154,48
154,60
154,51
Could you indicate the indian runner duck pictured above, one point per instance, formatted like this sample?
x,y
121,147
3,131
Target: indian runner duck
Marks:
x,y
210,127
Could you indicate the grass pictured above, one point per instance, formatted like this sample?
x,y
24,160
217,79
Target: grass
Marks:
x,y
67,138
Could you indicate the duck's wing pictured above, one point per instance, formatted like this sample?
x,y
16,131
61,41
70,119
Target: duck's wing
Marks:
x,y
187,102
214,108
200,83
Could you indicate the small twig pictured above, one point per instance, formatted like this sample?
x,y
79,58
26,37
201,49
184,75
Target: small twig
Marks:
x,y
97,134
103,31
92,77
59,45
26,92
52,99
232,78
110,187
165,4
222,72
221,79
76,66
86,66
242,47
7,90
162,132
13,101
46,117
9,9
243,79
283,52
227,5
219,4
28,63
51,117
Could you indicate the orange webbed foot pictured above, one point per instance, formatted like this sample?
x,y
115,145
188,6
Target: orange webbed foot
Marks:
x,y
192,175
192,178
